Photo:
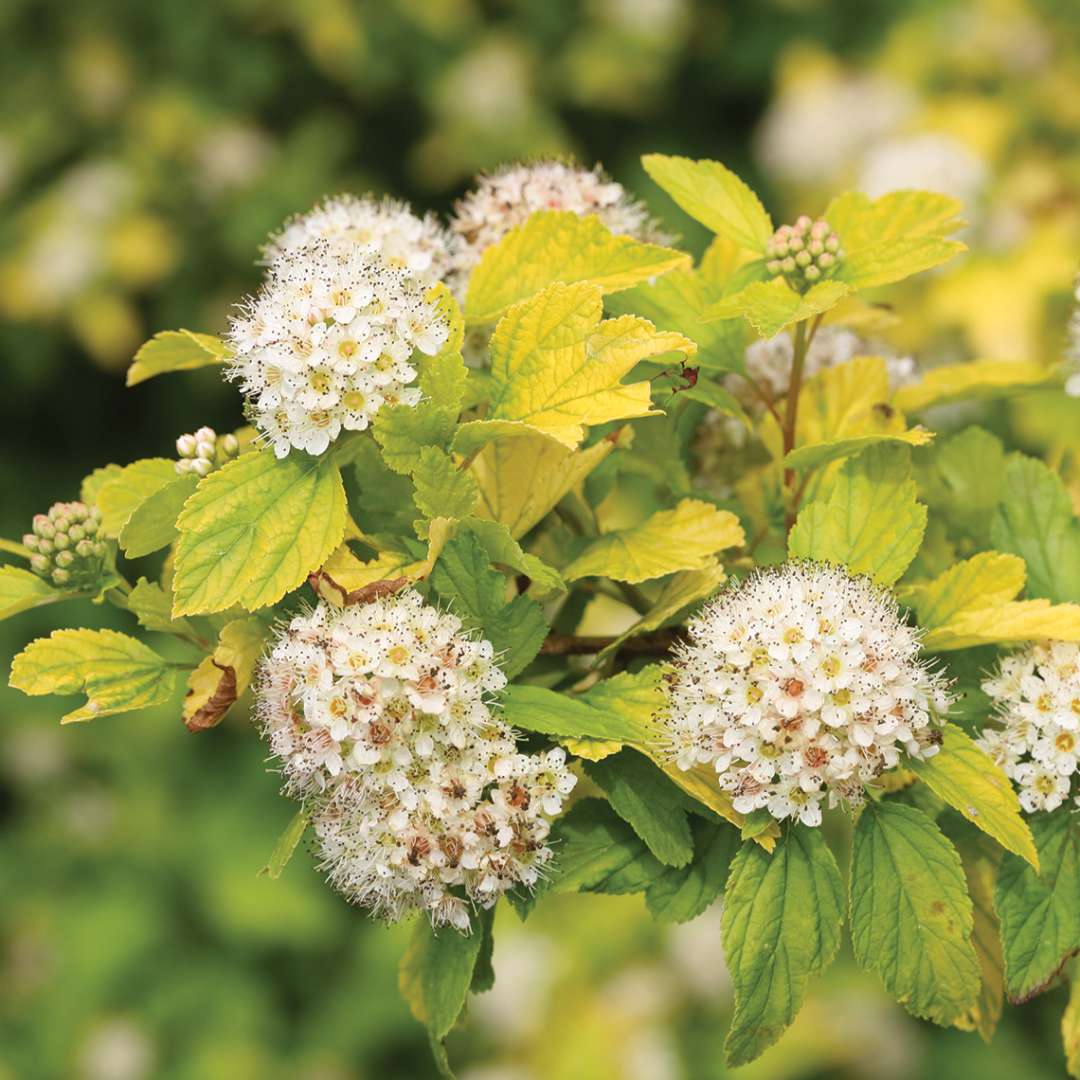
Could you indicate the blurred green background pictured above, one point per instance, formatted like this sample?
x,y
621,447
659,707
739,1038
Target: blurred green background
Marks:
x,y
146,149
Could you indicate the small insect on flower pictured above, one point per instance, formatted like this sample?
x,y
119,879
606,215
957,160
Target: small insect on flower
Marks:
x,y
503,200
385,227
328,340
381,717
1036,695
801,683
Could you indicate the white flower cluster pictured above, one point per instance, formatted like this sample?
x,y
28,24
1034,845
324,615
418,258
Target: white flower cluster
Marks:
x,y
202,451
385,227
1072,352
1036,693
329,340
380,716
799,683
505,199
925,162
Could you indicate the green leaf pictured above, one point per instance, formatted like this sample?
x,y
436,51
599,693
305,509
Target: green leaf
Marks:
x,y
770,306
152,524
870,522
782,919
824,453
971,380
596,851
91,485
559,246
122,492
21,590
962,775
175,350
477,594
116,672
443,490
971,604
647,800
152,606
1040,913
1070,1027
287,844
13,547
556,367
893,237
503,548
1035,521
434,977
682,538
677,302
255,529
535,708
712,194
911,916
682,893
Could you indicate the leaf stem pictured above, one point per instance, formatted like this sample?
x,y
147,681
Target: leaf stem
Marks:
x,y
791,408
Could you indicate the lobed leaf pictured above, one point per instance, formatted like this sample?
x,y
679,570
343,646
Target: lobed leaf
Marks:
x,y
680,894
770,306
21,590
152,524
121,492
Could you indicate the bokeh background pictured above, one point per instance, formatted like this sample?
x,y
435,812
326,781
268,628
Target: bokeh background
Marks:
x,y
146,149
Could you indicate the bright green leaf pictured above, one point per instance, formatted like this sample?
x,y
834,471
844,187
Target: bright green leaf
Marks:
x,y
770,306
152,524
782,918
152,606
911,916
682,893
442,489
21,590
254,529
287,844
1040,913
122,492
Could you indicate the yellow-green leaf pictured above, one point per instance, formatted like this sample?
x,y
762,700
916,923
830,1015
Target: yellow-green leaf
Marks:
x,y
712,194
1070,1027
962,775
559,246
287,844
175,350
122,492
219,680
972,604
21,590
682,538
556,366
116,672
971,380
769,306
152,524
870,521
255,529
893,237
522,474
813,457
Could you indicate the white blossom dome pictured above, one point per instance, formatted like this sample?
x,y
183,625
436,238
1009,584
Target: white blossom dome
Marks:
x,y
927,161
1036,695
381,718
1072,352
328,340
385,226
801,682
505,199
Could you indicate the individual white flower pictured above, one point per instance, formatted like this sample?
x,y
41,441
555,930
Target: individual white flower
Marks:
x,y
384,226
505,199
928,161
202,451
329,340
800,683
380,715
1036,696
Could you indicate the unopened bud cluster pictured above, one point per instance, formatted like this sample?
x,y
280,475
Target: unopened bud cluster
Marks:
x,y
203,451
66,545
380,715
804,253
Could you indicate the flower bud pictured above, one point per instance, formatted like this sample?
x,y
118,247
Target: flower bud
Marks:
x,y
46,547
30,541
40,564
811,252
44,527
205,450
229,445
84,549
61,577
201,466
61,542
185,446
76,533
206,434
65,558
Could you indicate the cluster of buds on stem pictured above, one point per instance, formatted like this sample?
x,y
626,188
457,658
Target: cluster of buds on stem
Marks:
x,y
203,451
804,253
66,545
